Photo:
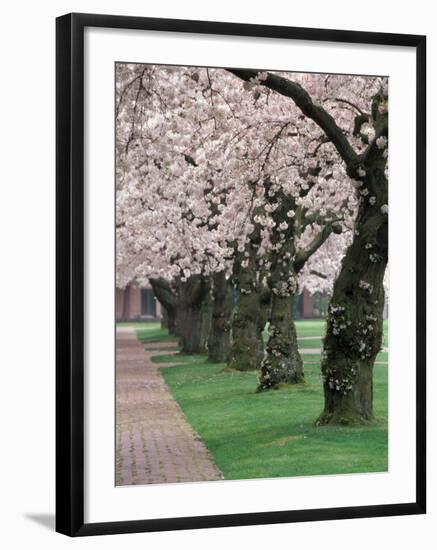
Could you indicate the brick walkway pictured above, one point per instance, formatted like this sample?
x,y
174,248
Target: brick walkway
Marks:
x,y
154,442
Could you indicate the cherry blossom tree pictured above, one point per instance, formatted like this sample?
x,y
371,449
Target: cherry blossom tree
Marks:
x,y
162,230
257,185
298,193
354,327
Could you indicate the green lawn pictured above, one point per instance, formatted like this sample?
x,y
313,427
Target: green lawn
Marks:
x,y
271,434
152,332
140,325
310,343
310,328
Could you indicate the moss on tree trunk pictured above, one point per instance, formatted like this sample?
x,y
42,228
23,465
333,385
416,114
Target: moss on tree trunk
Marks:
x,y
355,323
248,319
219,342
282,363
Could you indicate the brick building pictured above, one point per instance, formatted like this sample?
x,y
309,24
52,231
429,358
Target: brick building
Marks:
x,y
134,303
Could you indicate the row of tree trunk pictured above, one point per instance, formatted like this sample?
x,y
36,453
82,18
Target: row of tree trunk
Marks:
x,y
226,318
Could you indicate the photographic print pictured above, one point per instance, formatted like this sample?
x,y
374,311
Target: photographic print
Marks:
x,y
225,317
251,294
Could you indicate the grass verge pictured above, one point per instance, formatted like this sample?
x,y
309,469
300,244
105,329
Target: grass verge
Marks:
x,y
272,434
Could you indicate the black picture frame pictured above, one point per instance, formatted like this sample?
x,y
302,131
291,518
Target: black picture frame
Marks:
x,y
70,273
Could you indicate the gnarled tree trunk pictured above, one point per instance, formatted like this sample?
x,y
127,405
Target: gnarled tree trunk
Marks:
x,y
168,299
193,314
355,316
282,363
248,320
219,342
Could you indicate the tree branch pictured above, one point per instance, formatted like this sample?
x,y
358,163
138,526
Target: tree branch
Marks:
x,y
372,149
195,289
330,217
164,293
303,100
318,274
347,102
319,239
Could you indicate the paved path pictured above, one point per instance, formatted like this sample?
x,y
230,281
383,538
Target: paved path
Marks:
x,y
154,442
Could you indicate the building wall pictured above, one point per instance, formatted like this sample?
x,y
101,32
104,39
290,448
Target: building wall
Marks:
x,y
119,300
306,305
128,306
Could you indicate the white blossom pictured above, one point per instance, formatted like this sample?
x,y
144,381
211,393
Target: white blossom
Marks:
x,y
381,142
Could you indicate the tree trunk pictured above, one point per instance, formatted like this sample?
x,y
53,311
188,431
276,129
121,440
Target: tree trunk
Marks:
x,y
171,322
248,321
192,321
168,320
206,321
219,342
191,339
180,318
265,297
164,318
355,315
282,363
169,302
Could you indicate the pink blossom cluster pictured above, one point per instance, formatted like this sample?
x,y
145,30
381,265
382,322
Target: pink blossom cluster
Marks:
x,y
206,164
